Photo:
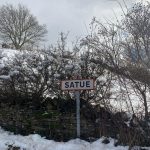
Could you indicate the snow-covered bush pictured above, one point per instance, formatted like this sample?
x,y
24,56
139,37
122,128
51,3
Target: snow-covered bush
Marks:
x,y
37,74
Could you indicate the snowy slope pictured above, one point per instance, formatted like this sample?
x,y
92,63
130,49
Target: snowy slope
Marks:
x,y
36,142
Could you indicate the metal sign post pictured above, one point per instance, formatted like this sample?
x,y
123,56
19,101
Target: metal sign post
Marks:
x,y
77,85
77,95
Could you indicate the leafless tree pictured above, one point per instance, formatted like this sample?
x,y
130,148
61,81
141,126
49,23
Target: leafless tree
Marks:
x,y
123,48
19,27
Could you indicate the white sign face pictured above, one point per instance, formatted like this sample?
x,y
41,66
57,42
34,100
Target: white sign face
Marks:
x,y
86,84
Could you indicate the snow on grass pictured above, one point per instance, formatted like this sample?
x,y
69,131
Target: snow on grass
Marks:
x,y
36,142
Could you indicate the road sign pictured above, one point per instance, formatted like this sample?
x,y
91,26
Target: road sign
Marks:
x,y
80,84
76,86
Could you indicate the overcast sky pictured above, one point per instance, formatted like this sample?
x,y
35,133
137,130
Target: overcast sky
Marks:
x,y
71,16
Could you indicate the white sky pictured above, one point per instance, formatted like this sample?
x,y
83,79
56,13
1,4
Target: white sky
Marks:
x,y
71,16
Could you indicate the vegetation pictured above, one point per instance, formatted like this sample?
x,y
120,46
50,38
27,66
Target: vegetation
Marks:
x,y
116,55
19,27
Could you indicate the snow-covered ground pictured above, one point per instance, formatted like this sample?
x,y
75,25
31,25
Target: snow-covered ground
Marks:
x,y
36,142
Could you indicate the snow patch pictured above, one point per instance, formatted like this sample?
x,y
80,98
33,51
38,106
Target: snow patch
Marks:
x,y
36,142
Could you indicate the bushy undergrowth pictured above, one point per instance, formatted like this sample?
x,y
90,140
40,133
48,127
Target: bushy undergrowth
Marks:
x,y
56,119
